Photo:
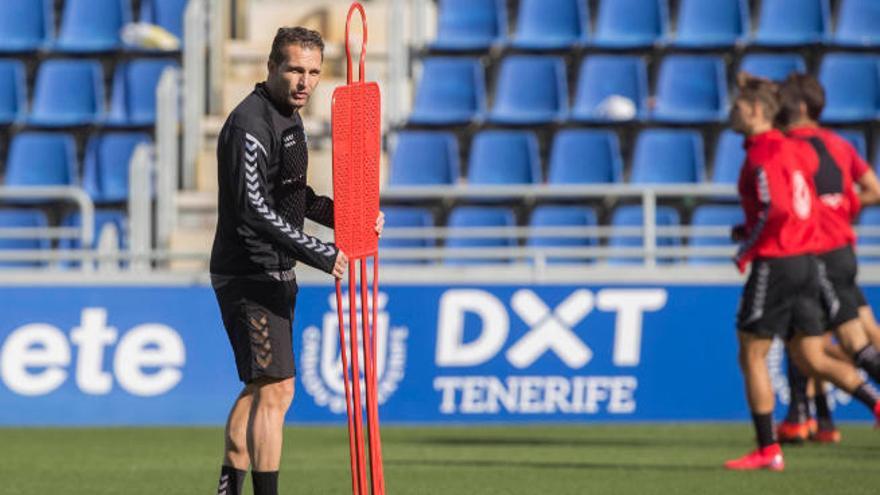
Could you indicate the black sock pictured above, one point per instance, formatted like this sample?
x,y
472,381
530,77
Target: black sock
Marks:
x,y
868,359
823,412
866,394
798,408
265,482
764,429
231,481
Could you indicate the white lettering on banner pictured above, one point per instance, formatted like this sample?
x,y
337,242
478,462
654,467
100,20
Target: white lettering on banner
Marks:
x,y
147,360
549,330
630,305
451,348
37,345
536,394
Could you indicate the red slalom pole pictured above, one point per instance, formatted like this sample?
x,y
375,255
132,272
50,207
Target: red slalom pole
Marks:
x,y
356,382
369,375
378,472
352,451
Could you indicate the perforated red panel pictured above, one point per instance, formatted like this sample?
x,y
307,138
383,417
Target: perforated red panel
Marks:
x,y
356,132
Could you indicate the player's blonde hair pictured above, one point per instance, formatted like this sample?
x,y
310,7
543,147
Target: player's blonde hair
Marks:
x,y
756,89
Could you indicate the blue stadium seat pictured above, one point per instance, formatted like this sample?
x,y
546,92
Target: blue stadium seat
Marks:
x,y
479,216
631,216
25,25
604,76
470,25
405,217
852,87
41,159
504,157
856,138
551,24
90,26
543,99
563,216
104,219
585,156
870,217
106,165
664,156
793,22
68,93
729,158
13,95
858,23
773,66
165,13
425,158
14,218
719,23
714,216
631,23
451,91
691,88
134,91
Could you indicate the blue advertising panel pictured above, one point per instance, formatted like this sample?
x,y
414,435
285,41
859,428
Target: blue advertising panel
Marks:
x,y
457,354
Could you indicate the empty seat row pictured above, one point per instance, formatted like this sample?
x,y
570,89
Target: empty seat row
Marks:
x,y
71,92
690,89
87,26
468,25
49,159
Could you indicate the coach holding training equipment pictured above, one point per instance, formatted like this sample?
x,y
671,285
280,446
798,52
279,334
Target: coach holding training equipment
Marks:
x,y
263,159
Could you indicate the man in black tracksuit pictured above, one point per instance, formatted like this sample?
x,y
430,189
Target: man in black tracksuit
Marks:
x,y
263,201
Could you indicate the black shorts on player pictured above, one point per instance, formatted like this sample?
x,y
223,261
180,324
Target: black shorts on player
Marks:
x,y
258,315
840,294
782,296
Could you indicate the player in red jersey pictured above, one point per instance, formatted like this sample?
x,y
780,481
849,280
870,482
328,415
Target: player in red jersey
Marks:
x,y
782,295
802,100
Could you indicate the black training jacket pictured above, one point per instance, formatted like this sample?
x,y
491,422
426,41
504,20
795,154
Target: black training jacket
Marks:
x,y
263,195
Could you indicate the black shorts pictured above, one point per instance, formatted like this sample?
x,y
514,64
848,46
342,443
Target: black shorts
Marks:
x,y
840,294
258,316
781,297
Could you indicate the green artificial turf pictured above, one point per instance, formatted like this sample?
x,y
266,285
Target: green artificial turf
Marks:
x,y
605,459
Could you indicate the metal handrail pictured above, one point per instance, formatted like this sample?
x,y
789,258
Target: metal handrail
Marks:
x,y
86,230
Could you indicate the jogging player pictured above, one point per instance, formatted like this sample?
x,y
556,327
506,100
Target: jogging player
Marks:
x,y
802,100
781,297
263,200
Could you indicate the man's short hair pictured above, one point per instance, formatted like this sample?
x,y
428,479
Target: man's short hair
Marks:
x,y
801,88
304,37
757,89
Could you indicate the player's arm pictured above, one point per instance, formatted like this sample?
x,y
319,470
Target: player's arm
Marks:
x,y
869,188
767,212
257,208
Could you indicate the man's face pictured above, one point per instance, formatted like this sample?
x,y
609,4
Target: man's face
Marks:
x,y
293,81
745,116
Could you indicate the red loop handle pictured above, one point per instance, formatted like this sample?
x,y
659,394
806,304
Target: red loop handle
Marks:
x,y
361,71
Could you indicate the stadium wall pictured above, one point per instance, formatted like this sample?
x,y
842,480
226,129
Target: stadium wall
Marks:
x,y
126,355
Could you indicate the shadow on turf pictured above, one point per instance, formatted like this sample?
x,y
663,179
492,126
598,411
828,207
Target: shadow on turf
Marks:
x,y
433,462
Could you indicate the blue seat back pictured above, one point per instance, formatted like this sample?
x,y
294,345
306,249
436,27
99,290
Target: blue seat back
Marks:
x,y
668,156
856,138
584,156
13,218
720,216
504,157
603,76
631,23
869,217
68,92
405,217
858,23
165,13
551,24
546,98
479,216
773,66
13,97
450,91
470,24
106,165
715,23
25,25
631,216
134,91
793,22
691,88
117,220
563,216
425,158
92,25
852,87
729,158
41,159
